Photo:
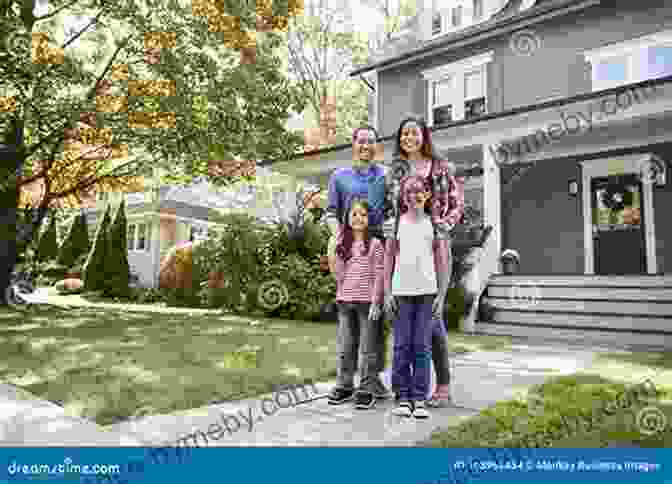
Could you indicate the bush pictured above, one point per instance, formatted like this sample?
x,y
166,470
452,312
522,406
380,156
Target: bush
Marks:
x,y
76,243
47,248
117,269
94,268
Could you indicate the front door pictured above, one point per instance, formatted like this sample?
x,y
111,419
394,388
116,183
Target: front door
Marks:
x,y
618,235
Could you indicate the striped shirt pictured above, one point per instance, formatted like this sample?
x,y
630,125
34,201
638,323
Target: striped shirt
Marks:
x,y
360,279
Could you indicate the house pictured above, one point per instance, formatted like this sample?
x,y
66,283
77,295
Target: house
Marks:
x,y
565,105
167,216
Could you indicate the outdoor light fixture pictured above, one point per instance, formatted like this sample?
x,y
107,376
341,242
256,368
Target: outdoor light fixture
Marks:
x,y
573,187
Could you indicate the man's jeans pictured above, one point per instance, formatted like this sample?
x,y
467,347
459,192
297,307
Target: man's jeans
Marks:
x,y
411,372
356,332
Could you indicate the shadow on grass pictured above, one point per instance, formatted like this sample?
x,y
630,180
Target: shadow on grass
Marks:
x,y
109,364
567,411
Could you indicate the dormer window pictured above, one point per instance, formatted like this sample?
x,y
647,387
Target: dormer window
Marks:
x,y
452,15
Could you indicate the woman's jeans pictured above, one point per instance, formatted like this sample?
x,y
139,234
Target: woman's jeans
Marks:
x,y
411,370
356,331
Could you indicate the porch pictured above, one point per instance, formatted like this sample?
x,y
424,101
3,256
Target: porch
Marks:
x,y
616,310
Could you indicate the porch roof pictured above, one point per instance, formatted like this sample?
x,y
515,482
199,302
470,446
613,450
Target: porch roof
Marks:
x,y
462,141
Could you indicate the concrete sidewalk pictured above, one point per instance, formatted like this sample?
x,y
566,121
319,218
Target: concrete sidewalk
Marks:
x,y
479,380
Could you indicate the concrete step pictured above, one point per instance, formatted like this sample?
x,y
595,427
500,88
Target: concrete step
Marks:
x,y
639,281
530,290
578,322
614,339
521,302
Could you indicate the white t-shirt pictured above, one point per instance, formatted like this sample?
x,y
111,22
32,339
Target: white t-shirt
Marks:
x,y
415,274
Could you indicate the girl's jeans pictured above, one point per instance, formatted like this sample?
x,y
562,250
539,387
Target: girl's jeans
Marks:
x,y
355,330
413,347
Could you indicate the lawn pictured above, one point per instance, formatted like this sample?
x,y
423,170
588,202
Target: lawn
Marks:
x,y
568,411
111,363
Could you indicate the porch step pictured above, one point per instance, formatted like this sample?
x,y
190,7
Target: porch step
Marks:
x,y
620,310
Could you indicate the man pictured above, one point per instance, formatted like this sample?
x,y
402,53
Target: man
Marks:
x,y
365,179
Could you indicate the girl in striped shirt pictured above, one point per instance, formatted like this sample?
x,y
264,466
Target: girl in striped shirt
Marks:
x,y
359,270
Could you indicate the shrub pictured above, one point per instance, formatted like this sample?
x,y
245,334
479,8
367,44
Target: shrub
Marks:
x,y
117,270
76,243
94,268
47,248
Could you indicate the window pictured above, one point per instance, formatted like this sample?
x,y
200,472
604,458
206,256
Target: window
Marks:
x,y
138,237
637,60
198,233
130,238
451,15
457,91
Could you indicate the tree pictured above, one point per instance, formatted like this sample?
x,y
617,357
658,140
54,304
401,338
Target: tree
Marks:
x,y
94,267
322,46
117,269
47,248
394,13
76,242
102,113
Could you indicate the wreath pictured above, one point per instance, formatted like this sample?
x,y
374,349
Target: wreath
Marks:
x,y
616,197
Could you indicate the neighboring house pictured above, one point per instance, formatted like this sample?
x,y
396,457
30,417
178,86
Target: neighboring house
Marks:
x,y
171,215
549,97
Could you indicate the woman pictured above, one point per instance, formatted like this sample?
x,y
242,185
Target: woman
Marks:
x,y
415,155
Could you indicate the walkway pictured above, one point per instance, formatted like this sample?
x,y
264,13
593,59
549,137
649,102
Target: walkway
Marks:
x,y
479,380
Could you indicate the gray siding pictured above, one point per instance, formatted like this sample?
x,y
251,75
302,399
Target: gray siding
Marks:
x,y
555,70
542,221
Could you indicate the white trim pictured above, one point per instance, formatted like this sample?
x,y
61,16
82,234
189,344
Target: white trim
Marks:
x,y
492,208
171,217
457,71
613,166
436,73
376,101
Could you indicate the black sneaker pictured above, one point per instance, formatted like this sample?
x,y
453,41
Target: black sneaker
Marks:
x,y
364,400
339,395
380,391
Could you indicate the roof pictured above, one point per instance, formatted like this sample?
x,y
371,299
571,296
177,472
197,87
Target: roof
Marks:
x,y
501,22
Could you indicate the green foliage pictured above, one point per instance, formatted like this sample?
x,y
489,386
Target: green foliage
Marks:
x,y
76,242
94,268
117,270
47,249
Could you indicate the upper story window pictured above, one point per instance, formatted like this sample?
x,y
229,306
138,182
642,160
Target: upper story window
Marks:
x,y
452,15
198,232
457,91
138,237
636,60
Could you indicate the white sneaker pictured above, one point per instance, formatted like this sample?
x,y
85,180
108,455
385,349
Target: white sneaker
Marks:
x,y
403,410
420,411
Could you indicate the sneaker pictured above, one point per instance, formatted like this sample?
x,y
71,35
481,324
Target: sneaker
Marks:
x,y
380,391
403,410
420,411
339,395
364,400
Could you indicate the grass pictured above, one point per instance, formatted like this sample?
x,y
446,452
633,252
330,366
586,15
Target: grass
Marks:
x,y
568,411
111,362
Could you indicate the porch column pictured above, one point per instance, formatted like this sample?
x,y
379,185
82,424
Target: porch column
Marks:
x,y
492,203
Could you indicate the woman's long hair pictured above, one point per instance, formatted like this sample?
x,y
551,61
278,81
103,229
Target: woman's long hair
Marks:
x,y
406,182
344,249
427,149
